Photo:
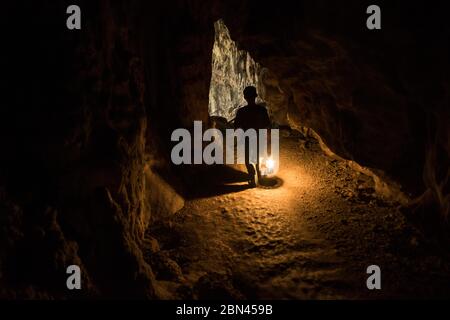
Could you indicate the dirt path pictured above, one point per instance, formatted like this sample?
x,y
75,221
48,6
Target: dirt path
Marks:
x,y
311,238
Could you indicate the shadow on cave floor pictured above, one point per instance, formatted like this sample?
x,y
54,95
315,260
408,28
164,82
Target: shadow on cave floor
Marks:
x,y
311,238
216,180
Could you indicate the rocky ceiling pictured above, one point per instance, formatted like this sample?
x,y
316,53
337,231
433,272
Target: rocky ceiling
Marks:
x,y
86,112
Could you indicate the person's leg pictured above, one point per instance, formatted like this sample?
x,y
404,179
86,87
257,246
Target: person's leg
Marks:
x,y
257,165
258,170
250,168
251,174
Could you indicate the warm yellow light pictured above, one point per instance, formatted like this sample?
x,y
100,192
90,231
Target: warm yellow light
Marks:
x,y
267,166
270,164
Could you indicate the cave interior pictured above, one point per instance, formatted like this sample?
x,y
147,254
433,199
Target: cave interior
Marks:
x,y
86,177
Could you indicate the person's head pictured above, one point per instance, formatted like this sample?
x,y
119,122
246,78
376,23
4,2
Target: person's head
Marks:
x,y
250,94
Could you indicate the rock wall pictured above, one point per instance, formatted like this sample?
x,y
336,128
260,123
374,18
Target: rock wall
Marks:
x,y
232,71
378,98
84,112
74,127
88,115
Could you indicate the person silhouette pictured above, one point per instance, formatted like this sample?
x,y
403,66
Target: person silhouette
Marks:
x,y
251,116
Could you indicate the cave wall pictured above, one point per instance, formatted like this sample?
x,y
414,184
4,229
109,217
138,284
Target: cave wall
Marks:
x,y
74,129
378,98
86,112
232,71
85,127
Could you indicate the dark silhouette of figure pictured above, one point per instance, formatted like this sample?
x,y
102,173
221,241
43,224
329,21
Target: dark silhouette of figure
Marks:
x,y
251,116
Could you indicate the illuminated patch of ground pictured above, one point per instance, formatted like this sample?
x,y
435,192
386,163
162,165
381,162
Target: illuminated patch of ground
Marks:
x,y
311,238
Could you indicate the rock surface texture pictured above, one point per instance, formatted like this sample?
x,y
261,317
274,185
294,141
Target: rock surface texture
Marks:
x,y
86,113
378,98
232,71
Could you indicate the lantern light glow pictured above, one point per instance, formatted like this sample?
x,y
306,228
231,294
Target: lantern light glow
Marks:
x,y
267,166
270,164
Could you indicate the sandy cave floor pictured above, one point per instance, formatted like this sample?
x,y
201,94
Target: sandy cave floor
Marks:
x,y
311,238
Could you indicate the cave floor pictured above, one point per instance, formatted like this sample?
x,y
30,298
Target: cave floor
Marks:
x,y
311,238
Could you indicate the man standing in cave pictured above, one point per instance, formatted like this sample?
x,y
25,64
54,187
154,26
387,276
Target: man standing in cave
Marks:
x,y
251,116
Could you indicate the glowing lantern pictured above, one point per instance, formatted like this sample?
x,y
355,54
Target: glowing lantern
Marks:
x,y
270,164
267,166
